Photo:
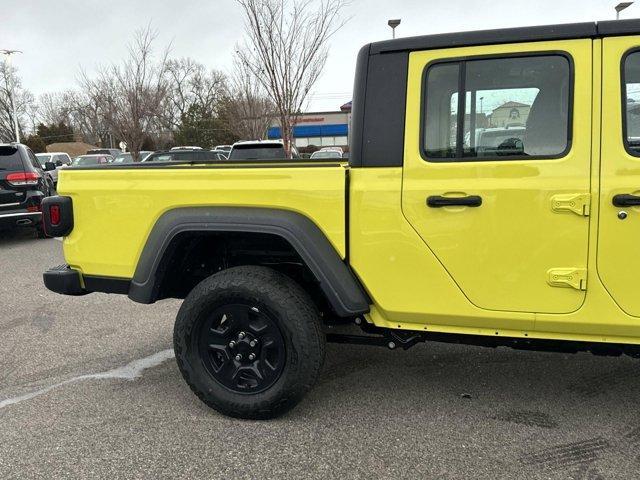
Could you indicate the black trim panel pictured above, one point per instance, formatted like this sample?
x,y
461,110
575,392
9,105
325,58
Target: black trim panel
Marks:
x,y
306,163
341,288
612,28
379,107
68,281
93,283
506,35
356,137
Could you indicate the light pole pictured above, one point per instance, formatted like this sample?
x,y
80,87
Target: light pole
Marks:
x,y
621,6
393,24
7,54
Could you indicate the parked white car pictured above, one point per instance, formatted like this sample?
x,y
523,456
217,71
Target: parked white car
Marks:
x,y
127,157
59,159
326,154
332,149
261,150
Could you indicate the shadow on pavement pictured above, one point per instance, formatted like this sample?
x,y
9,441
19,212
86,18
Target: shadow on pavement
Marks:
x,y
17,236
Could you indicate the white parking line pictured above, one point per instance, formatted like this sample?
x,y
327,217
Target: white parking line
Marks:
x,y
130,371
58,238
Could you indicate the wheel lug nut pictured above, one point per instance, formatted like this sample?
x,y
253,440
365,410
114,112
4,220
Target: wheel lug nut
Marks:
x,y
232,344
241,335
251,356
238,357
252,343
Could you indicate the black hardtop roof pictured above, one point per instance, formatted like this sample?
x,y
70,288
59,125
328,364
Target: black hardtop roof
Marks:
x,y
509,35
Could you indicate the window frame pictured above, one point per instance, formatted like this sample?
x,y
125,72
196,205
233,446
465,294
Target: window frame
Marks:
x,y
461,61
623,96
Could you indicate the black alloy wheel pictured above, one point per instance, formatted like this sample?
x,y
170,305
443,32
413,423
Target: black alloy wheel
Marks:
x,y
242,348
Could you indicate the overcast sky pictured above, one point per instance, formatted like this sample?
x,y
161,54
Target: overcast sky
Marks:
x,y
59,37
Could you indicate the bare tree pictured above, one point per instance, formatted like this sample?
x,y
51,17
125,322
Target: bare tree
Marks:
x,y
51,108
23,98
80,110
286,48
130,97
84,113
191,85
249,111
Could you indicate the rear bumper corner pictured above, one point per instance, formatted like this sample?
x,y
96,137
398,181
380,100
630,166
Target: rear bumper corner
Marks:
x,y
68,281
64,280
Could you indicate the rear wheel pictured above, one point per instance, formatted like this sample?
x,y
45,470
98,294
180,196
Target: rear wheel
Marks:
x,y
249,342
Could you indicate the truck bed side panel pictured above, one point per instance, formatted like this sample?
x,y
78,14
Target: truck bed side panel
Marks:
x,y
115,209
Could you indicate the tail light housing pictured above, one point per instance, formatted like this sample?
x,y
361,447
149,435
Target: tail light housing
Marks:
x,y
22,179
57,216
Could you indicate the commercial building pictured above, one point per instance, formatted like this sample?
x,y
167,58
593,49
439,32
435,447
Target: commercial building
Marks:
x,y
319,129
510,114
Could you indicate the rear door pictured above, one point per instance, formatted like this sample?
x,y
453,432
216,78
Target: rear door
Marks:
x,y
496,170
619,225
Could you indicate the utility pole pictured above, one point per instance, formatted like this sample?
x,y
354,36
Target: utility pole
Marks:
x,y
7,54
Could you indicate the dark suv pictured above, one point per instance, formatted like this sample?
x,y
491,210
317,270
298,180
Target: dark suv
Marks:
x,y
23,185
114,152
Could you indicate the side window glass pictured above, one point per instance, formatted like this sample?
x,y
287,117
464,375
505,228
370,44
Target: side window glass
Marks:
x,y
497,109
206,155
631,98
183,157
34,160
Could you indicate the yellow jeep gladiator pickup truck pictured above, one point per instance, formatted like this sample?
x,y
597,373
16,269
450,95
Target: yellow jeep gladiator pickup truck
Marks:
x,y
492,197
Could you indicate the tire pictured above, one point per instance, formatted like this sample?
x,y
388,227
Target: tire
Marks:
x,y
221,320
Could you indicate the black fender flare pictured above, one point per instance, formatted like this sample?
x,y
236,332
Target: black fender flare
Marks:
x,y
340,286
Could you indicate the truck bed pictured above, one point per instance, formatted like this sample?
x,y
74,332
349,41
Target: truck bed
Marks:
x,y
115,208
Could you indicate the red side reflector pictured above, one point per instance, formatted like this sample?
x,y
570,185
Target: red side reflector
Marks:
x,y
54,215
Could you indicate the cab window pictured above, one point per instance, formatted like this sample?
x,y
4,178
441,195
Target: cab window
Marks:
x,y
497,109
631,99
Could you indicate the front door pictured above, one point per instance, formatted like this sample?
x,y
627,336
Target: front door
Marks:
x,y
496,179
619,225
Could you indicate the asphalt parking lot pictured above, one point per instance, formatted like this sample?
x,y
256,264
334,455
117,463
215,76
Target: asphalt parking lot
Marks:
x,y
88,389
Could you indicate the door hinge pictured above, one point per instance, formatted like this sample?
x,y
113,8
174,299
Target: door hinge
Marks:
x,y
568,277
578,203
